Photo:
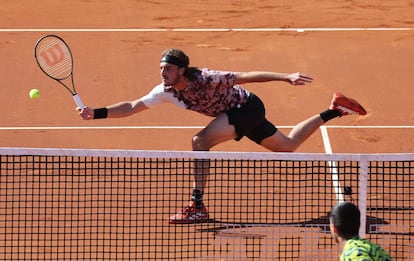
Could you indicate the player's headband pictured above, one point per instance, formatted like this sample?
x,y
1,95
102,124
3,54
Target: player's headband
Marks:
x,y
173,60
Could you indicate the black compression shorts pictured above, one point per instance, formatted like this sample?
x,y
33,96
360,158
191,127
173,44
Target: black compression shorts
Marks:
x,y
250,121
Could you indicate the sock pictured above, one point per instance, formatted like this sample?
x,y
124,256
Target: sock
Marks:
x,y
197,197
330,114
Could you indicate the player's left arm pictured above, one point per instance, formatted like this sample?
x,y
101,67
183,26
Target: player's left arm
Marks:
x,y
258,76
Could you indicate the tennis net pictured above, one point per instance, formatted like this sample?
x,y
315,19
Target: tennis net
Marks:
x,y
68,204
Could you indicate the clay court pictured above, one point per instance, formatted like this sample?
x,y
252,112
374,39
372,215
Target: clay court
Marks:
x,y
374,67
364,49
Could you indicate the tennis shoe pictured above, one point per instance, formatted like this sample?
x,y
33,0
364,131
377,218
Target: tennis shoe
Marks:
x,y
190,214
345,105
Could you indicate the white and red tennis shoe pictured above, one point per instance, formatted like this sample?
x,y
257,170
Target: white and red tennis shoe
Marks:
x,y
190,214
345,105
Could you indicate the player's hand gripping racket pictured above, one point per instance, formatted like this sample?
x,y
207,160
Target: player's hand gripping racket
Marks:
x,y
55,59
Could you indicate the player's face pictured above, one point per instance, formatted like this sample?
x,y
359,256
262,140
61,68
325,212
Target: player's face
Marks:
x,y
170,74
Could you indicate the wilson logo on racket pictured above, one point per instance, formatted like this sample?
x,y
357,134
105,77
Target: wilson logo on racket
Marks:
x,y
53,55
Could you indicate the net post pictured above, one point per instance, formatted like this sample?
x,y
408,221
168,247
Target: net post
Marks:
x,y
362,197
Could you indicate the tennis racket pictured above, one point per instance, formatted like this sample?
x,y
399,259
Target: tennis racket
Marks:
x,y
54,57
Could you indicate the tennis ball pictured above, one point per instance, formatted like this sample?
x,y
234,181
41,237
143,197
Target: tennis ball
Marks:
x,y
34,94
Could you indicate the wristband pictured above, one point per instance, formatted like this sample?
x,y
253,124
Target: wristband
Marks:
x,y
100,113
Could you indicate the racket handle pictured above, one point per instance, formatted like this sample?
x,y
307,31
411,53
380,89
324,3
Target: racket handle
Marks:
x,y
78,101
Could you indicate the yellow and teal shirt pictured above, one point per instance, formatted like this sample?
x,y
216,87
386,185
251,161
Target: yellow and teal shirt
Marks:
x,y
359,249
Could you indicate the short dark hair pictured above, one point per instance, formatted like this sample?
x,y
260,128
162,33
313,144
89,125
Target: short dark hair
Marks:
x,y
178,57
346,216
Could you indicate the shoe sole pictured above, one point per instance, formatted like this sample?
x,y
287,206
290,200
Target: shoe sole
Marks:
x,y
175,222
188,221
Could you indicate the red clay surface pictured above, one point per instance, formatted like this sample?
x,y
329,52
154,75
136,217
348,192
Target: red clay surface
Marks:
x,y
374,67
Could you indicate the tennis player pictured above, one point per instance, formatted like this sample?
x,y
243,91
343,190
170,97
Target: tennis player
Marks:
x,y
236,113
344,224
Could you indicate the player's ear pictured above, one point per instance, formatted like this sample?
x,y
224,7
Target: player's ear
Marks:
x,y
182,70
332,227
335,229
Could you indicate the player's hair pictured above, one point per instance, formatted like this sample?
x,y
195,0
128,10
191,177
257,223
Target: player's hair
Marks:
x,y
179,58
175,56
345,216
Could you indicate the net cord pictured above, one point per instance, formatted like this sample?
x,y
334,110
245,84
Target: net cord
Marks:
x,y
206,155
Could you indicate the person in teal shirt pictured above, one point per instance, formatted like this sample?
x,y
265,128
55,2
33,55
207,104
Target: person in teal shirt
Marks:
x,y
344,225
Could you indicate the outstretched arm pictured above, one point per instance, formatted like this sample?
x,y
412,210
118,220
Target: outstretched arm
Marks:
x,y
256,76
118,110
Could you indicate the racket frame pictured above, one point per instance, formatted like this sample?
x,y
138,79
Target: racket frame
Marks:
x,y
72,90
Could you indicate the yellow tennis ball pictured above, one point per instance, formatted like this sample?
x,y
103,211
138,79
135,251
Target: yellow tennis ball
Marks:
x,y
34,94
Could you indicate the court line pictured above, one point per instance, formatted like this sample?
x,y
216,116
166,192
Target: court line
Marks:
x,y
97,127
301,30
326,140
370,127
332,165
174,127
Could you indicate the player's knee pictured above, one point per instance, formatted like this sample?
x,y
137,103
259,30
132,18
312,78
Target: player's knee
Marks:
x,y
200,144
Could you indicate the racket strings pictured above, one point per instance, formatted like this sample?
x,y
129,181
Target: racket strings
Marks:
x,y
54,57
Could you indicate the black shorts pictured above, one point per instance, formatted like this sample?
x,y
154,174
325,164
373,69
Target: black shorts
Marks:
x,y
250,121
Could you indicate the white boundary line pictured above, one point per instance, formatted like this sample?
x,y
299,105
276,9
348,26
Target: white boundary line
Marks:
x,y
325,139
301,30
332,165
97,127
370,127
5,128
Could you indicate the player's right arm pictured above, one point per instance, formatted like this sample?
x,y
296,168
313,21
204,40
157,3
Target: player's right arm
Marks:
x,y
118,110
127,108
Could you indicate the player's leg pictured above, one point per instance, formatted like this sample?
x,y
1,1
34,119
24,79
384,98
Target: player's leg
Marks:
x,y
233,124
217,131
282,143
340,106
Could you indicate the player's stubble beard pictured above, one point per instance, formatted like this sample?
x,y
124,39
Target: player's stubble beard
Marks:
x,y
171,82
